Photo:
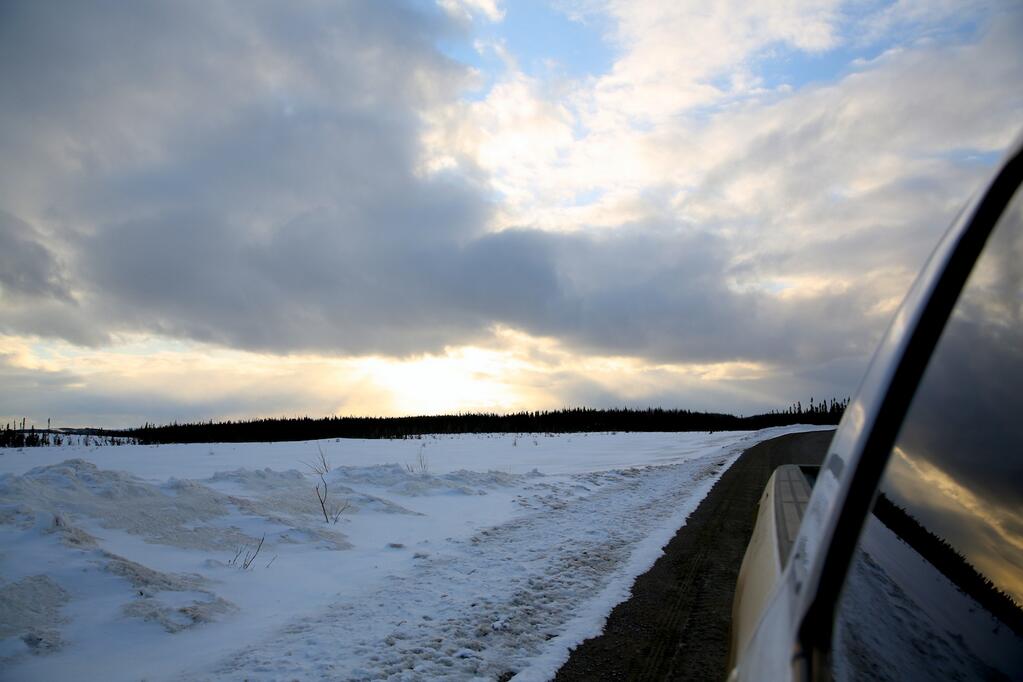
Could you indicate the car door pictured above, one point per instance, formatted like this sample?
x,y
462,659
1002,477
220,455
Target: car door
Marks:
x,y
936,583
951,351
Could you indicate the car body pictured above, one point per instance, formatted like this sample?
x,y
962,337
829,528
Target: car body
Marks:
x,y
876,572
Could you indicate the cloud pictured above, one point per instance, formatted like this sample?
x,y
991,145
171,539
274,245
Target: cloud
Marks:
x,y
36,287
124,396
28,269
465,10
816,204
323,182
677,56
241,178
139,378
650,290
284,213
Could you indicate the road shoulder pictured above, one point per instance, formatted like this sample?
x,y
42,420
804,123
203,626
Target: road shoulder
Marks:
x,y
676,623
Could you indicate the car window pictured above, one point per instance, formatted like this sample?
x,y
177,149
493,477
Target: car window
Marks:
x,y
936,585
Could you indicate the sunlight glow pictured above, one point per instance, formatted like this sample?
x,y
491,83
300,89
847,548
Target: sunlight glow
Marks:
x,y
1000,553
514,371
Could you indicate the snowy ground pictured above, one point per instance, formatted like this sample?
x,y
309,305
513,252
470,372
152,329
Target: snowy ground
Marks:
x,y
460,557
930,629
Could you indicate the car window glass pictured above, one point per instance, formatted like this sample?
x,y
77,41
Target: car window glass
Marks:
x,y
936,586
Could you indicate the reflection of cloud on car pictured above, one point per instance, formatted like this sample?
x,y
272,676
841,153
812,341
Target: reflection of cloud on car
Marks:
x,y
908,558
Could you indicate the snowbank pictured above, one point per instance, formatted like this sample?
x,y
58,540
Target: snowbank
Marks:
x,y
455,557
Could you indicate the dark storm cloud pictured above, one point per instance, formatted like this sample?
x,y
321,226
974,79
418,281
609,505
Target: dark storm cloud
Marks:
x,y
964,417
319,284
28,269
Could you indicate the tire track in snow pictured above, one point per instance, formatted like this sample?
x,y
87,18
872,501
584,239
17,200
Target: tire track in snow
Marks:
x,y
490,605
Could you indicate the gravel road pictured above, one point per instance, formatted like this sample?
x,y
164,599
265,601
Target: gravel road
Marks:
x,y
676,624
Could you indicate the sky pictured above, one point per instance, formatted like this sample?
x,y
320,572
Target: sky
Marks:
x,y
217,210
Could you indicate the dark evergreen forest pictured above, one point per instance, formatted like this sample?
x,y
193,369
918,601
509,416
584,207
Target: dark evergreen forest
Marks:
x,y
558,421
950,562
574,420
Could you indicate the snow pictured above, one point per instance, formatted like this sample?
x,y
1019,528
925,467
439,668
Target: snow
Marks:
x,y
461,557
928,629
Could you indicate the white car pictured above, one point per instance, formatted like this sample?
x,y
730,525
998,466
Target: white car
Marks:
x,y
901,558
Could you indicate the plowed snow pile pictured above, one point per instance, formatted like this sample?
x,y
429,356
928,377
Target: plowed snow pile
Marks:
x,y
465,557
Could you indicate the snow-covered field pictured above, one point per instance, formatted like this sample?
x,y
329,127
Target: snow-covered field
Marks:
x,y
457,556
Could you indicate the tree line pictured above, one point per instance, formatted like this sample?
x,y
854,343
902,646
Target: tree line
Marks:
x,y
953,565
572,420
11,436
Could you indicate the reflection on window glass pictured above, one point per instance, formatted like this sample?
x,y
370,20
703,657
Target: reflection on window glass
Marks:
x,y
936,588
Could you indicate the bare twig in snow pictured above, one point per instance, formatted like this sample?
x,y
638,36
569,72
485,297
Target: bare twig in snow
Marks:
x,y
249,555
249,559
339,510
322,497
422,465
331,513
237,554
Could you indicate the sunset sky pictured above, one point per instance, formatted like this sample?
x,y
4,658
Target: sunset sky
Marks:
x,y
242,209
